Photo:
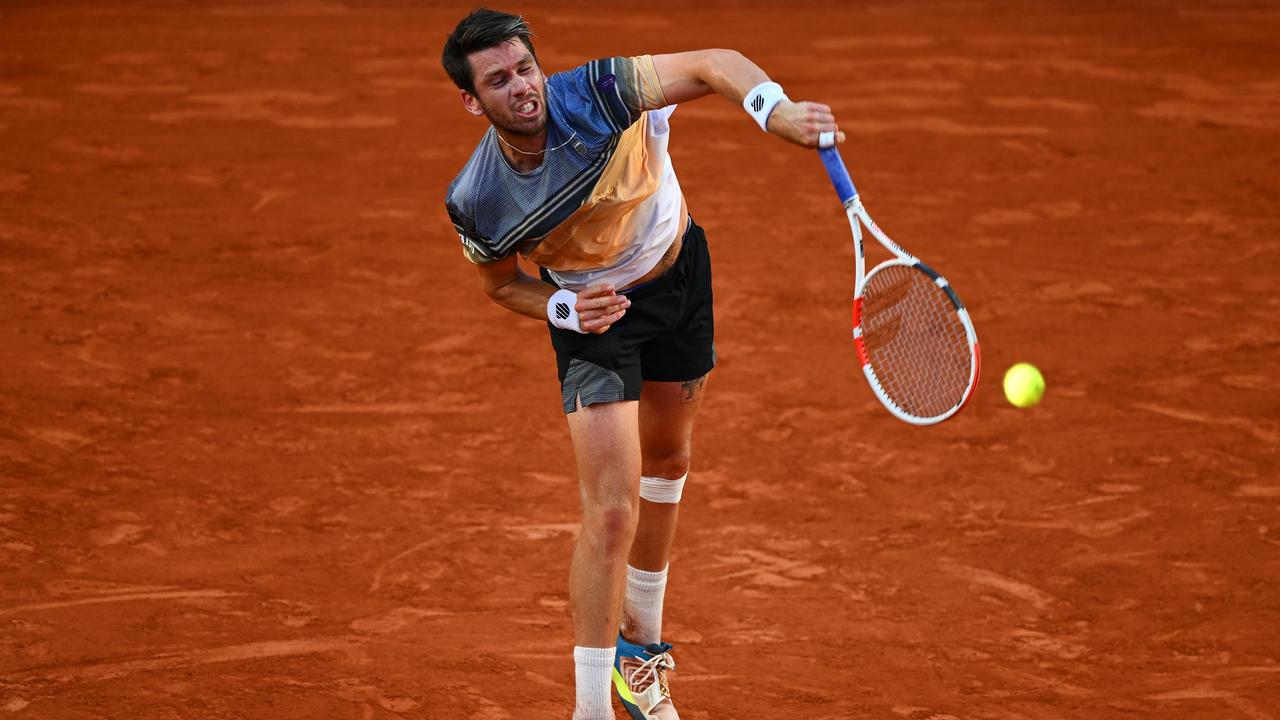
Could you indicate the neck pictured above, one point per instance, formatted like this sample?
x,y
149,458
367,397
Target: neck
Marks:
x,y
524,152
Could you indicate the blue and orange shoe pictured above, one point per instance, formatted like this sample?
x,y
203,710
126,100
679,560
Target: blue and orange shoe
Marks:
x,y
640,677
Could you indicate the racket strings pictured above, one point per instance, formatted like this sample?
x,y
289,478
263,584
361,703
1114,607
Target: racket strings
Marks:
x,y
915,341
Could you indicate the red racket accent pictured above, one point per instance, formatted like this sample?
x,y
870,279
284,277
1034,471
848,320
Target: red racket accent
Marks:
x,y
857,340
977,372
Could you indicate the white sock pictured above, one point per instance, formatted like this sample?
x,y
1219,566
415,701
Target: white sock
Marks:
x,y
593,676
643,608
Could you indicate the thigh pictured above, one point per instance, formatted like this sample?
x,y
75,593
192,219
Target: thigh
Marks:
x,y
667,414
606,445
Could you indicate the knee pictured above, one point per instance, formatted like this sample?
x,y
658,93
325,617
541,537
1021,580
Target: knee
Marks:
x,y
670,464
612,524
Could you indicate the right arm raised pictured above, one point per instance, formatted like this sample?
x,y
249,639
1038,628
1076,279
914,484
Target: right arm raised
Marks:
x,y
598,306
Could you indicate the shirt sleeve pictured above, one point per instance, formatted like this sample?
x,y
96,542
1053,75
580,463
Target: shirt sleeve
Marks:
x,y
620,89
474,248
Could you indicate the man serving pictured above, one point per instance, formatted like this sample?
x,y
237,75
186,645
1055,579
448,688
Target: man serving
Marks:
x,y
574,175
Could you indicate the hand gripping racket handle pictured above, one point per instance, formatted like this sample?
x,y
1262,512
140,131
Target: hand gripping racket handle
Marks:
x,y
836,171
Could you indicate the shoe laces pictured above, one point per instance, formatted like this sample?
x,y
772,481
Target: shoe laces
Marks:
x,y
650,671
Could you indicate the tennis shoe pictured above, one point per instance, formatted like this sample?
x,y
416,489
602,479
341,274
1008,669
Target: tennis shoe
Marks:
x,y
640,677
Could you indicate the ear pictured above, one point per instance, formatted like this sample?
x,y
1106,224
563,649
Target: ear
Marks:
x,y
471,103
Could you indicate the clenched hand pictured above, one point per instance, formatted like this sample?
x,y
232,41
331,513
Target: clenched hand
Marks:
x,y
599,307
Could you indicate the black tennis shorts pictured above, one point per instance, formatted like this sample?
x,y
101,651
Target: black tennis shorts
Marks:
x,y
667,335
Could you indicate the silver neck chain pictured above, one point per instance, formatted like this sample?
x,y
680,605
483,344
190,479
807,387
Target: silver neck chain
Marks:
x,y
539,152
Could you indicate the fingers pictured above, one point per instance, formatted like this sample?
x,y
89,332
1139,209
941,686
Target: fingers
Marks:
x,y
812,134
599,307
601,324
597,296
806,121
820,113
599,321
839,136
819,119
602,309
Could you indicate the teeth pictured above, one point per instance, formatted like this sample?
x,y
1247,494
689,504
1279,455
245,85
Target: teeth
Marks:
x,y
526,108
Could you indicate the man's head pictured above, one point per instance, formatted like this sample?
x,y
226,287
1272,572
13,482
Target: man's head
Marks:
x,y
490,57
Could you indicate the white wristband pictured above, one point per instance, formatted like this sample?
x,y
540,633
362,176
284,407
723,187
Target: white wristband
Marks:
x,y
761,101
561,313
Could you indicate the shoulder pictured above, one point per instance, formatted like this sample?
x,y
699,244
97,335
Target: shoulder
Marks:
x,y
466,199
573,102
470,180
607,94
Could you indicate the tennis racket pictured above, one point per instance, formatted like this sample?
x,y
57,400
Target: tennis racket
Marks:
x,y
913,336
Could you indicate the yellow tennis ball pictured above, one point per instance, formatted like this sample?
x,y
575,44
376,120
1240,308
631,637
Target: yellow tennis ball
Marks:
x,y
1023,385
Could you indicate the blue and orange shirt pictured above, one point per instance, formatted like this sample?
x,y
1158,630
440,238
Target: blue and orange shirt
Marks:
x,y
604,205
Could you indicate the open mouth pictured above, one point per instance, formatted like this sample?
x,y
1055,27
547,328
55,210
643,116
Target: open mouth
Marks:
x,y
528,109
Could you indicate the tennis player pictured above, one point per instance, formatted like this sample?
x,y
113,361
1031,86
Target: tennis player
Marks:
x,y
573,174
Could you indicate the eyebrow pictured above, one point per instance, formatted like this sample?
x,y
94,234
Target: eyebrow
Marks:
x,y
528,58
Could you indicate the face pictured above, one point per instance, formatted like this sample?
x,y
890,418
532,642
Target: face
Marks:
x,y
509,89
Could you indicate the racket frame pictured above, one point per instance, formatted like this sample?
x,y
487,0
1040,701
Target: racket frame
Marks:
x,y
859,218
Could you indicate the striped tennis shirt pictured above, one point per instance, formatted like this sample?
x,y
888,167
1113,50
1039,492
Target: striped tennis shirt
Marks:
x,y
604,205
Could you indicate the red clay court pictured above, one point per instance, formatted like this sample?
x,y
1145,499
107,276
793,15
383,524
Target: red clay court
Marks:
x,y
267,451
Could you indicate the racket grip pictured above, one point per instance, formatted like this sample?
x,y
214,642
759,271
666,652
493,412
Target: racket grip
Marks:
x,y
838,173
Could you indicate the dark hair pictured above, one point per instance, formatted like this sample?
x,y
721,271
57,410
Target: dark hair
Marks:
x,y
480,30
